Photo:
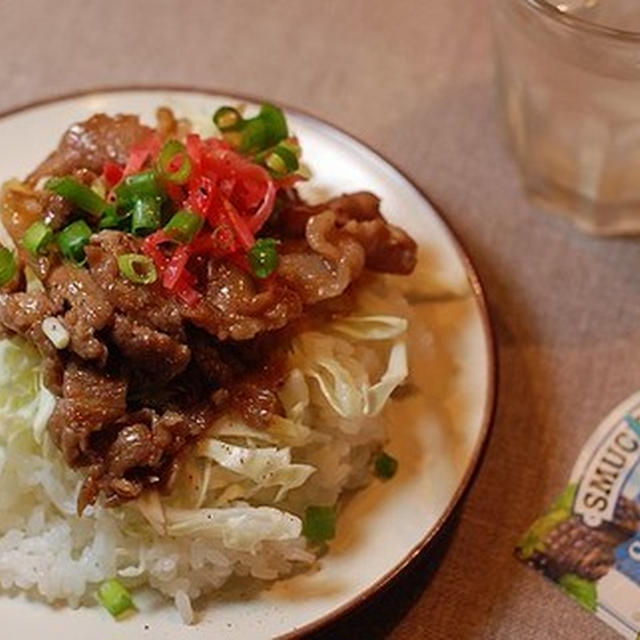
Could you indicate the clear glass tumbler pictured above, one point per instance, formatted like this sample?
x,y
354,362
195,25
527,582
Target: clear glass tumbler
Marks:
x,y
569,79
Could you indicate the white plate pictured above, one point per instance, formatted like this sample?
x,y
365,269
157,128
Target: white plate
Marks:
x,y
437,433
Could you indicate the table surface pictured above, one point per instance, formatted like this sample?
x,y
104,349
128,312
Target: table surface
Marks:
x,y
413,78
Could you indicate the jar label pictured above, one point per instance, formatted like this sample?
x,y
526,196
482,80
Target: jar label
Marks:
x,y
588,542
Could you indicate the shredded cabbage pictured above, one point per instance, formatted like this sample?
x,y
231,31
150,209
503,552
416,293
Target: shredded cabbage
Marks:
x,y
25,404
230,426
280,431
151,508
290,433
294,395
343,377
204,484
397,371
371,327
266,467
241,527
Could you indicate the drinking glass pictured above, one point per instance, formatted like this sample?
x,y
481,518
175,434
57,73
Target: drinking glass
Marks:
x,y
569,82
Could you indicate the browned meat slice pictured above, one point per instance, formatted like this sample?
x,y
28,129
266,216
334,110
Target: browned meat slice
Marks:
x,y
89,311
295,213
55,209
21,207
236,307
148,305
91,399
359,206
216,364
89,144
133,447
166,123
141,453
333,263
254,396
150,350
23,314
388,248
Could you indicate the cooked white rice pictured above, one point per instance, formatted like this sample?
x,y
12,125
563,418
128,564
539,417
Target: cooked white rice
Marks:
x,y
238,506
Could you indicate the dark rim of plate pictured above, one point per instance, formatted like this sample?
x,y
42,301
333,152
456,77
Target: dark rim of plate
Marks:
x,y
479,296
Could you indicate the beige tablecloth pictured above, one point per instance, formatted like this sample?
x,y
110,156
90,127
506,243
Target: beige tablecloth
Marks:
x,y
414,79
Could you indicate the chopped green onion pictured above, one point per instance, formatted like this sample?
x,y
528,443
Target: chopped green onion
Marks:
x,y
263,257
146,216
73,239
385,466
184,225
8,266
292,146
99,188
254,134
137,268
319,523
228,119
276,164
37,238
115,598
275,123
171,150
281,161
136,186
78,194
111,219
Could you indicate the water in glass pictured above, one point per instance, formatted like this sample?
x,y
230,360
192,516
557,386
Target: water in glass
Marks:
x,y
571,97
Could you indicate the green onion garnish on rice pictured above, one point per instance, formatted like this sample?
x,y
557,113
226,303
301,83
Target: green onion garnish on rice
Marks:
x,y
319,523
385,466
115,598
